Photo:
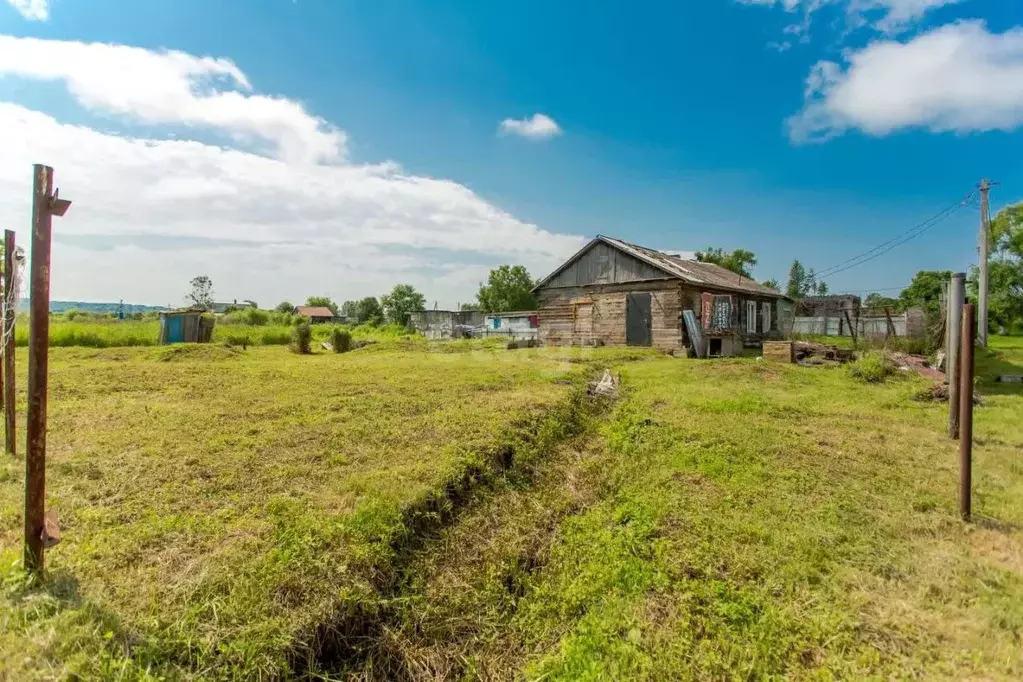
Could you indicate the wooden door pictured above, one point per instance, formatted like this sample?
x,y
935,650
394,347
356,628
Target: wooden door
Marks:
x,y
637,319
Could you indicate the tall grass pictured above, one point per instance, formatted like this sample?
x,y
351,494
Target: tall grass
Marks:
x,y
98,332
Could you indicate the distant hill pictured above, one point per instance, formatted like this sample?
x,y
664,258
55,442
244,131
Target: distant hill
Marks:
x,y
87,306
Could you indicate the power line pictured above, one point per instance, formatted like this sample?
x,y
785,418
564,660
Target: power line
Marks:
x,y
896,241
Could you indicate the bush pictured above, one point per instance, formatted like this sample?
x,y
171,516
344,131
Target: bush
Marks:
x,y
251,316
301,338
340,339
873,368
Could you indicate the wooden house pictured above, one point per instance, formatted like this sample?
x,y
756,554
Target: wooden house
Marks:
x,y
614,293
315,314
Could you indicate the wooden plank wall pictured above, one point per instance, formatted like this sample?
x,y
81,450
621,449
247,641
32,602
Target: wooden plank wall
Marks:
x,y
580,316
603,264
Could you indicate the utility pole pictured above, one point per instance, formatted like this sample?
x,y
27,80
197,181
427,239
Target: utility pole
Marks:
x,y
985,237
45,204
966,415
956,298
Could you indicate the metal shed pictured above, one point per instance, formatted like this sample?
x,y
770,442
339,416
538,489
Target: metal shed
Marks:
x,y
185,326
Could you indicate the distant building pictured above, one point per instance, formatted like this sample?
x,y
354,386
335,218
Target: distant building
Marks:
x,y
222,307
315,314
447,324
520,325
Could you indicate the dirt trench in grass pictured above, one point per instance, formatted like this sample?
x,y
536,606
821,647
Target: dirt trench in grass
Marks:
x,y
446,610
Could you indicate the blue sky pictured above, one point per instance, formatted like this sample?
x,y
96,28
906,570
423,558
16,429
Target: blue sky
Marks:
x,y
679,125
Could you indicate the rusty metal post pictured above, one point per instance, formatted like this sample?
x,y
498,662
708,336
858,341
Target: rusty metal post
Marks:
x,y
966,412
9,313
45,204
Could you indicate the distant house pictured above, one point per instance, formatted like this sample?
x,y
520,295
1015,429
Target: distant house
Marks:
x,y
315,314
515,325
222,307
615,293
446,324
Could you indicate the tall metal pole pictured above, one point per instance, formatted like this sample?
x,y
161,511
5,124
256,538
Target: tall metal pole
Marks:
x,y
9,313
985,238
45,205
966,413
956,298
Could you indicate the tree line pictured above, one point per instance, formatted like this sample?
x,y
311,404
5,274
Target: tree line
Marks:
x,y
508,287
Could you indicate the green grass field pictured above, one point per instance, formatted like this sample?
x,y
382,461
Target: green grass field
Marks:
x,y
456,511
109,333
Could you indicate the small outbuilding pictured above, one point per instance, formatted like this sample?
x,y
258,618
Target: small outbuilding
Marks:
x,y
615,293
185,326
315,314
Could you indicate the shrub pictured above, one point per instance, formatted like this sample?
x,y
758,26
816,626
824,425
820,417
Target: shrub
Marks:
x,y
251,316
301,338
873,368
340,339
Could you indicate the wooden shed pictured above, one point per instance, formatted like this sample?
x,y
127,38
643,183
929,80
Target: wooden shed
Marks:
x,y
185,326
615,293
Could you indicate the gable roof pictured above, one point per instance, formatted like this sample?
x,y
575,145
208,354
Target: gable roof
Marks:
x,y
314,311
689,271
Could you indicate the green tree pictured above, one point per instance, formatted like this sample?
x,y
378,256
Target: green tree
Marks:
x,y
772,284
508,287
323,302
797,286
201,295
739,261
469,306
925,292
875,301
401,303
1005,271
368,311
285,307
350,310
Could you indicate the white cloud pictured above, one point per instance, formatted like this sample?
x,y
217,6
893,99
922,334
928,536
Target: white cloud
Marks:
x,y
173,87
958,77
262,228
887,16
535,127
35,10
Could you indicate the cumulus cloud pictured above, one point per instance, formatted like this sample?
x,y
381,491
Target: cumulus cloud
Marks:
x,y
34,10
171,87
535,127
150,214
958,77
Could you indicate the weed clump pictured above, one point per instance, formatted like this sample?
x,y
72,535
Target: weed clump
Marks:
x,y
340,340
872,368
301,338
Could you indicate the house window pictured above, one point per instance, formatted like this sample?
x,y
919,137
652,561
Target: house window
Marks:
x,y
767,317
751,317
